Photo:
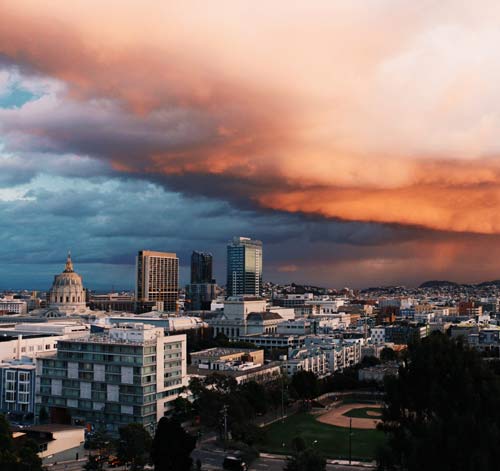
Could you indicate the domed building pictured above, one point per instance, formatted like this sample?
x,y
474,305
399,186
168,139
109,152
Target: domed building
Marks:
x,y
67,293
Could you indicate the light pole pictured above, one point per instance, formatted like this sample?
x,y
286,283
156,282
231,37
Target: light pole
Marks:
x,y
350,440
283,390
224,414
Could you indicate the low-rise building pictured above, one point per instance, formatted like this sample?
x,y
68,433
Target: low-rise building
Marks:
x,y
52,439
307,359
341,353
10,305
242,364
214,356
378,373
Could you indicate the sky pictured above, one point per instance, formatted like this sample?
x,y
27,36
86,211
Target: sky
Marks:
x,y
357,139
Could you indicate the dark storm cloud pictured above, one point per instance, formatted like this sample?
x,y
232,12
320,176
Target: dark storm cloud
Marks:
x,y
106,222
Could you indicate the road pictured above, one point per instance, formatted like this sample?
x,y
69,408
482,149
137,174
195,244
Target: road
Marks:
x,y
212,460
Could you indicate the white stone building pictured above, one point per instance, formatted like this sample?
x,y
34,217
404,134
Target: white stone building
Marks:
x,y
67,293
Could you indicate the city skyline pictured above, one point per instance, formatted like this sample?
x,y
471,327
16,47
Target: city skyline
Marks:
x,y
362,153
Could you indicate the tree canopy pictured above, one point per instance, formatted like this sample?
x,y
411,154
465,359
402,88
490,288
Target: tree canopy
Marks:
x,y
17,455
172,446
305,460
443,410
305,384
134,445
243,403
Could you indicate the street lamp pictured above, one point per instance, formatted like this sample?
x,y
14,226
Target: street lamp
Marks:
x,y
350,440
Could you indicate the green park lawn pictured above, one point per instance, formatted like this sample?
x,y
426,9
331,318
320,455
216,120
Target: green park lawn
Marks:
x,y
331,441
362,413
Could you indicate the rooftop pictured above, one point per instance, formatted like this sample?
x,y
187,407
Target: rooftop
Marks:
x,y
194,370
104,338
220,351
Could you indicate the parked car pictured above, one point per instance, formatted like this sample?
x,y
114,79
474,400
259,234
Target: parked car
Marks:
x,y
233,463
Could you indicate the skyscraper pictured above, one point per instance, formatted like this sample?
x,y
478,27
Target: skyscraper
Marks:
x,y
244,267
157,278
202,290
201,267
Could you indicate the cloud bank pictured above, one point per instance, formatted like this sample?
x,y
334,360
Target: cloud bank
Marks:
x,y
379,112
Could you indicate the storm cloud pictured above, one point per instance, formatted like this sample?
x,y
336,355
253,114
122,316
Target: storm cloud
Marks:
x,y
360,139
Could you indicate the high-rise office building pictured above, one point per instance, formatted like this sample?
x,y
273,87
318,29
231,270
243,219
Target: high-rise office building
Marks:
x,y
130,373
201,267
202,290
157,278
244,267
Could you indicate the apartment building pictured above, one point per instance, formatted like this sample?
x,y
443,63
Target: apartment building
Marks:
x,y
17,387
130,373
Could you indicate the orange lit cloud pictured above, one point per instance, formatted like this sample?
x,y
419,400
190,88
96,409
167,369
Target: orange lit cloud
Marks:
x,y
385,112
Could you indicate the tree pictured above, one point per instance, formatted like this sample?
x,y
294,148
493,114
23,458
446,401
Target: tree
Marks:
x,y
16,456
388,354
256,396
172,446
134,445
370,361
306,460
182,408
305,384
298,444
93,464
442,411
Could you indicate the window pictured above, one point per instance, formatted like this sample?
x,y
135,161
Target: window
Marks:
x,y
23,376
10,396
24,398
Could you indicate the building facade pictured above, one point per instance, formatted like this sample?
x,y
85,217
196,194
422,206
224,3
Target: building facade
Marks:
x,y
201,267
202,290
17,387
129,374
157,278
10,305
244,267
200,296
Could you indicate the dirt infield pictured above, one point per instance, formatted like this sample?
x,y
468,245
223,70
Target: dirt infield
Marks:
x,y
336,417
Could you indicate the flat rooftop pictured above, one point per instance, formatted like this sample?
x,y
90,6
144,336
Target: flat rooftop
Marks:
x,y
106,339
194,370
220,351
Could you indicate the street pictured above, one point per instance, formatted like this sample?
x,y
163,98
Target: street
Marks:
x,y
212,460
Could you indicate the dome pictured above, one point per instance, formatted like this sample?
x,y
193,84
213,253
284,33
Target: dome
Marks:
x,y
67,292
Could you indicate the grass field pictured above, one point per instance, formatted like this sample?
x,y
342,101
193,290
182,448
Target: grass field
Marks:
x,y
332,441
362,413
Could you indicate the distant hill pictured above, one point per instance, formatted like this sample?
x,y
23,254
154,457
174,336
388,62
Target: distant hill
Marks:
x,y
439,284
489,283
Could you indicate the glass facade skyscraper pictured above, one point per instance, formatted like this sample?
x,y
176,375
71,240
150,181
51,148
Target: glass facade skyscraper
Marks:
x,y
244,267
201,267
202,290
